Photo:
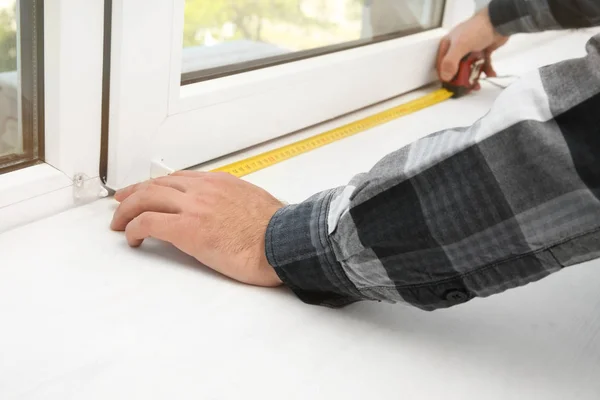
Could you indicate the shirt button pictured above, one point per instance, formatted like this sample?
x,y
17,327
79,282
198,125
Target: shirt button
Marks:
x,y
457,296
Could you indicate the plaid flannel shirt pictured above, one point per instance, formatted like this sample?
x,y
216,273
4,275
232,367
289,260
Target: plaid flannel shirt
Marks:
x,y
466,212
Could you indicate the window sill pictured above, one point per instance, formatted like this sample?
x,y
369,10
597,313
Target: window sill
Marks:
x,y
83,314
40,191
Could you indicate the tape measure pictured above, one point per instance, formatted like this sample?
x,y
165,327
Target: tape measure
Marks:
x,y
272,157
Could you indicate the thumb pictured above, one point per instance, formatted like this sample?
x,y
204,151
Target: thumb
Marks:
x,y
450,62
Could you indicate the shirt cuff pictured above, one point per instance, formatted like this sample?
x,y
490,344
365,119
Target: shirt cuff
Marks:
x,y
510,17
299,249
502,16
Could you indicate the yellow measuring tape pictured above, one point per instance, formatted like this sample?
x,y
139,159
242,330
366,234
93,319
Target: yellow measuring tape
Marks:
x,y
272,157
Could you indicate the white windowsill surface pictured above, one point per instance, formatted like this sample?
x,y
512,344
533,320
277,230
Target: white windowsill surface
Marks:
x,y
86,317
31,193
41,191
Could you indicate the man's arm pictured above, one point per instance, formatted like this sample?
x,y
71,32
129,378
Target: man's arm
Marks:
x,y
518,16
461,213
490,28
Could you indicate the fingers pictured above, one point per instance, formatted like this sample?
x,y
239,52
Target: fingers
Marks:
x,y
152,224
179,182
451,60
153,198
190,174
488,69
442,51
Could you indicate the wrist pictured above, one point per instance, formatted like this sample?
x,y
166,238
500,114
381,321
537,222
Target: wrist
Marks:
x,y
270,276
487,22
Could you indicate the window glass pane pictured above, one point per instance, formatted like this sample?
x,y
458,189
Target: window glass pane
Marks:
x,y
222,37
20,84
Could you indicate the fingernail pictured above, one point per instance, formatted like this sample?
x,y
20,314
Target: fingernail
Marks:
x,y
446,72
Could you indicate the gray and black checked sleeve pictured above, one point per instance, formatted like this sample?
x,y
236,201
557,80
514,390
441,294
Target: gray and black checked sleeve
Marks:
x,y
462,213
522,16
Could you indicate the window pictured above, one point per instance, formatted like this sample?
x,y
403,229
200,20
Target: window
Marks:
x,y
51,77
21,84
194,80
225,37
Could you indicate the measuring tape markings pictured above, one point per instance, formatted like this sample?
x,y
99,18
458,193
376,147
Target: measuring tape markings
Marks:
x,y
275,156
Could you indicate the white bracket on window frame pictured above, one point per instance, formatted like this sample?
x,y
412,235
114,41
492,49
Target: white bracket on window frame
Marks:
x,y
86,190
158,169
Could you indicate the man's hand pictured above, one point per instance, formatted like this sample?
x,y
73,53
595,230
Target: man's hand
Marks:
x,y
216,218
475,34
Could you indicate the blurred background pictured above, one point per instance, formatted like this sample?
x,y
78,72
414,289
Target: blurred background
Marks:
x,y
10,142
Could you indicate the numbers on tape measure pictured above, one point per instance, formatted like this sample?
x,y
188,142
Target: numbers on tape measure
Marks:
x,y
267,159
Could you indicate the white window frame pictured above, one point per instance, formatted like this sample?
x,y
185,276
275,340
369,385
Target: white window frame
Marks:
x,y
73,72
156,125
